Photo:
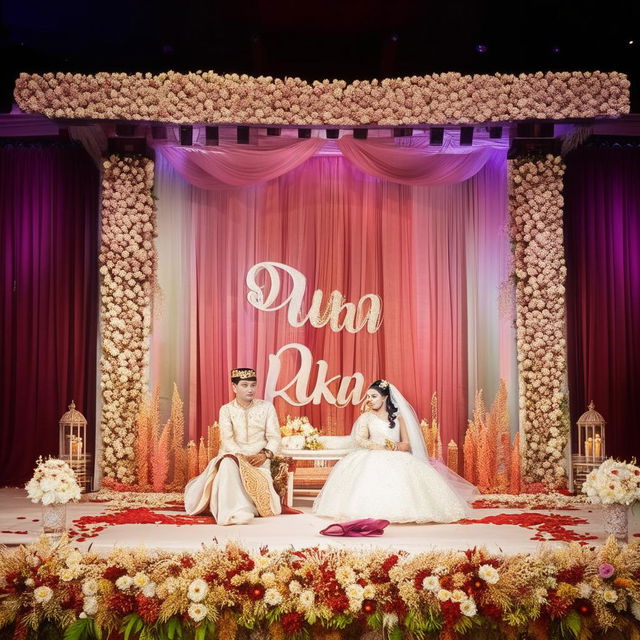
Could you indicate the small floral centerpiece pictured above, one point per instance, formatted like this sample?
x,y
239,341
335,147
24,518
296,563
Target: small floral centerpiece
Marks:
x,y
298,433
53,483
616,485
613,482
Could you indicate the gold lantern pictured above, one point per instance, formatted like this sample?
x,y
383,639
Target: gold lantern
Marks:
x,y
591,441
591,445
73,445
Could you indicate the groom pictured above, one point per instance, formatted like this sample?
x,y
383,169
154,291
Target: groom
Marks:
x,y
237,484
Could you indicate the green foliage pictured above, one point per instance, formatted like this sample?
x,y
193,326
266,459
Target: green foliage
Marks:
x,y
566,629
82,629
463,625
340,621
132,624
396,634
375,621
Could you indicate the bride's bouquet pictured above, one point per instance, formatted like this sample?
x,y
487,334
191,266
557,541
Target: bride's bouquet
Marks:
x,y
53,483
613,482
297,433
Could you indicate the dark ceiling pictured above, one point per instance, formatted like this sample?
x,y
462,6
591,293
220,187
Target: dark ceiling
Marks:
x,y
346,39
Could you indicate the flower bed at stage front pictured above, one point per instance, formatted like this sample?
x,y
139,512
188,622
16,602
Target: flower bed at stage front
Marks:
x,y
225,592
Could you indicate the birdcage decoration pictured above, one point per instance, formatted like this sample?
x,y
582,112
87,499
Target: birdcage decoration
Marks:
x,y
591,445
73,445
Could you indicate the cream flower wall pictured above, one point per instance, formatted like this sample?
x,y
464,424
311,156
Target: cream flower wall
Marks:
x,y
128,271
536,205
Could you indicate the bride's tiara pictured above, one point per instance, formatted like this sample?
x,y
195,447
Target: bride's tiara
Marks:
x,y
383,384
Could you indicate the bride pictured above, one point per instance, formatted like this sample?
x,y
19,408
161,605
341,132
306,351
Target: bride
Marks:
x,y
389,475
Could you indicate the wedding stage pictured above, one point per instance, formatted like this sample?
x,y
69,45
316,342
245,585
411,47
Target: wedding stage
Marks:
x,y
105,526
327,245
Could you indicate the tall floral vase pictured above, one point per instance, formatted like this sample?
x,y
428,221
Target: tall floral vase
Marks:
x,y
616,521
54,520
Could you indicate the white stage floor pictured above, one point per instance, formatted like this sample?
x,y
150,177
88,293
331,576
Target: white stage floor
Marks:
x,y
513,530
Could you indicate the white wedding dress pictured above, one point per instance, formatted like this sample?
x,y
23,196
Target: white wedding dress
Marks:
x,y
394,485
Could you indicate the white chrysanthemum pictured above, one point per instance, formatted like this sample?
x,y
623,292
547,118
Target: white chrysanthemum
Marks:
x,y
197,611
141,579
610,595
431,583
66,574
262,562
90,587
272,597
345,575
369,592
29,582
443,595
149,589
468,607
73,559
295,586
354,592
488,573
90,605
307,598
42,594
124,582
584,589
268,579
457,595
197,590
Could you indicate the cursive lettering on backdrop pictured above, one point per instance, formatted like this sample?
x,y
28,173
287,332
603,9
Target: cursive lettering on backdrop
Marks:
x,y
338,314
350,388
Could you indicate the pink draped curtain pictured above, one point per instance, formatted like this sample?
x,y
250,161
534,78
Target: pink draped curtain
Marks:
x,y
415,163
343,229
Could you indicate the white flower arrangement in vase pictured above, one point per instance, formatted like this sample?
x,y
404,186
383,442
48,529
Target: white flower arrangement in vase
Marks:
x,y
613,482
616,485
53,482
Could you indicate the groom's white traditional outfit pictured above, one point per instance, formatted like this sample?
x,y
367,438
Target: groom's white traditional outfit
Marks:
x,y
237,483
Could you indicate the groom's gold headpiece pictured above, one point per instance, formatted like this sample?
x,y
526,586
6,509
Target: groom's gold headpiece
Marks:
x,y
243,374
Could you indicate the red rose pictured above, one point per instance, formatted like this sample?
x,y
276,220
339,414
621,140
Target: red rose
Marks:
x,y
369,606
148,608
490,610
583,607
121,603
113,573
292,622
256,591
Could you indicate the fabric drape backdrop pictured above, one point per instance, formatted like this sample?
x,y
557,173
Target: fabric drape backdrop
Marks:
x,y
602,239
48,313
436,255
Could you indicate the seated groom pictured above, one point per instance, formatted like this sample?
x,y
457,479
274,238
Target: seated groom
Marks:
x,y
237,484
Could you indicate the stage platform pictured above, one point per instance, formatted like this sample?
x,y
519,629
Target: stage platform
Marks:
x,y
103,526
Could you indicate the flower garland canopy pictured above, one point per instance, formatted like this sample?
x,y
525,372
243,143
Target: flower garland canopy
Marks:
x,y
207,97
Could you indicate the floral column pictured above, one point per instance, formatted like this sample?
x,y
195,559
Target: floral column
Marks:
x,y
536,206
128,270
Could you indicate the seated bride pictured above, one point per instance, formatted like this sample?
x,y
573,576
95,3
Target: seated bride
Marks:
x,y
389,475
